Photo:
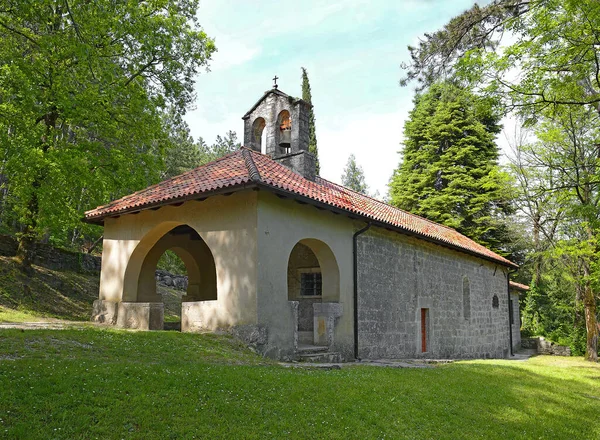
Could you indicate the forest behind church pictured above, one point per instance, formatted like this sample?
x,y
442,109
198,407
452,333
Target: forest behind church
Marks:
x,y
93,94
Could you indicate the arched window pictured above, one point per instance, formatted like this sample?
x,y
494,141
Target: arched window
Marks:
x,y
258,140
466,298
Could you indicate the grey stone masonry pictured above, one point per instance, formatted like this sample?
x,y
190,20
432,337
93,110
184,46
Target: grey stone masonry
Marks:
x,y
267,113
398,276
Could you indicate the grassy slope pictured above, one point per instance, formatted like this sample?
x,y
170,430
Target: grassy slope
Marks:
x,y
114,384
55,294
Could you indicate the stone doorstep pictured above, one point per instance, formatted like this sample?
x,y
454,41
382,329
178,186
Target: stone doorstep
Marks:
x,y
308,349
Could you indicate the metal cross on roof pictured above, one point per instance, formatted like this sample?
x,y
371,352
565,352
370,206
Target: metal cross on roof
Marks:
x,y
275,82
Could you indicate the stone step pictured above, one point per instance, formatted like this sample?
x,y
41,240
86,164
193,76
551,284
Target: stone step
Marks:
x,y
325,357
307,349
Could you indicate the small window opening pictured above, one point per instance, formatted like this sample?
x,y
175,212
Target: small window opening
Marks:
x,y
311,284
495,302
424,330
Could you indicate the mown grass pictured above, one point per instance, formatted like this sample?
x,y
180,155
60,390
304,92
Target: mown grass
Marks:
x,y
97,383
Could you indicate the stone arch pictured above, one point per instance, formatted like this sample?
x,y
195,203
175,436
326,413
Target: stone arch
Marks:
x,y
327,264
259,138
314,284
139,281
284,131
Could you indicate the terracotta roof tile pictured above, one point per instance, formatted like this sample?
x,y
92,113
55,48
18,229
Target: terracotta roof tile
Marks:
x,y
249,167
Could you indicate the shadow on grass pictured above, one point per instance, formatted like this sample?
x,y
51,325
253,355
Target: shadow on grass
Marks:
x,y
115,384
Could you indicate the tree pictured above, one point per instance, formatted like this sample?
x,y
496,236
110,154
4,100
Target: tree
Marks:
x,y
549,71
84,90
569,148
553,46
307,96
449,170
354,176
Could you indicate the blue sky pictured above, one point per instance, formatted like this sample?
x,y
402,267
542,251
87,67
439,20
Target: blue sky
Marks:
x,y
352,50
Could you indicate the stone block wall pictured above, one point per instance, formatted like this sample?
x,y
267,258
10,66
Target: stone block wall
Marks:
x,y
399,275
516,326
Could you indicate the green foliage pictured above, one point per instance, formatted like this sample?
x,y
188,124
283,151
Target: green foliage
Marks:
x,y
86,91
222,146
354,176
553,46
449,171
88,383
307,96
185,154
170,262
559,190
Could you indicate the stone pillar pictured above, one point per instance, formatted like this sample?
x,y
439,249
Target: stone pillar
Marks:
x,y
141,315
105,312
191,315
325,315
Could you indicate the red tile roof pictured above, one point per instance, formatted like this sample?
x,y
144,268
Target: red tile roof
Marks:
x,y
246,168
518,286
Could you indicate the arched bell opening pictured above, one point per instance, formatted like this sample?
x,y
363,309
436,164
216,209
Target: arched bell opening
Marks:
x,y
314,282
259,140
140,293
284,132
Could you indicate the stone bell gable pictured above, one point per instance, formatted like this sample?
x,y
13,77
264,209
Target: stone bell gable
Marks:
x,y
279,124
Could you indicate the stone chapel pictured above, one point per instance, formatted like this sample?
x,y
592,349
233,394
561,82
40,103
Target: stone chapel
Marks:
x,y
298,266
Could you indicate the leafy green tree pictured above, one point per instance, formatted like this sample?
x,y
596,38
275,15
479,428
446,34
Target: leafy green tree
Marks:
x,y
354,176
553,45
568,150
449,170
307,96
84,90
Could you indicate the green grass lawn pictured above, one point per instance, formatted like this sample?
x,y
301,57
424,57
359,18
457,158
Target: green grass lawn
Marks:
x,y
100,383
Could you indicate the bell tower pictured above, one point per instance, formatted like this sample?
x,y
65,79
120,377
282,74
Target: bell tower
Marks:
x,y
280,122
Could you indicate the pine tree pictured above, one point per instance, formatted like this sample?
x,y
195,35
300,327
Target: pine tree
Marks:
x,y
354,176
307,96
449,172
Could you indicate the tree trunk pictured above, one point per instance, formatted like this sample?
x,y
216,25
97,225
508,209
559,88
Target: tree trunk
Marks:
x,y
26,249
589,303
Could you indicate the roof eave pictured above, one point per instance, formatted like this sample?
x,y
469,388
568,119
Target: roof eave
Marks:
x,y
384,225
99,220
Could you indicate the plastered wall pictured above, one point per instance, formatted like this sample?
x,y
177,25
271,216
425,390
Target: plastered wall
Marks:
x,y
227,224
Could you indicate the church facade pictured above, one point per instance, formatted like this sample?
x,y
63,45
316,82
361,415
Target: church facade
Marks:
x,y
299,266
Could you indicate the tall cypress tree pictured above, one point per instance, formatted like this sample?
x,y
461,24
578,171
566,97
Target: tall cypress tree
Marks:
x,y
307,96
449,171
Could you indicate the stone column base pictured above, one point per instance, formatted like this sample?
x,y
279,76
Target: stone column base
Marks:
x,y
325,315
193,315
105,312
141,315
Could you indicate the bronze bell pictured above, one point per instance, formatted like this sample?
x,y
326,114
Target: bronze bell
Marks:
x,y
285,138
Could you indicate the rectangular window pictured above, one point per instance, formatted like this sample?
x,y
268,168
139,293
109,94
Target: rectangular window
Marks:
x,y
311,284
424,329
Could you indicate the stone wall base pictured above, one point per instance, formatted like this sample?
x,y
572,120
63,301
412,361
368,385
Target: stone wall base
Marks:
x,y
105,312
141,315
325,315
